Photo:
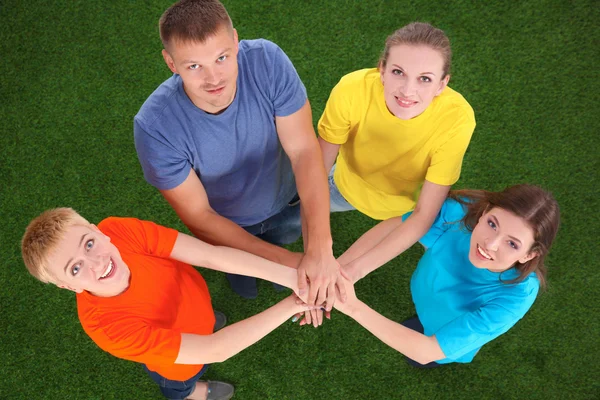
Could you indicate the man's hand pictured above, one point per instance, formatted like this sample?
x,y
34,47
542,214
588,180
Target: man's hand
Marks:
x,y
320,274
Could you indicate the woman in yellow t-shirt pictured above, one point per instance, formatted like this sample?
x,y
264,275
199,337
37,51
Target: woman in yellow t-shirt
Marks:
x,y
399,134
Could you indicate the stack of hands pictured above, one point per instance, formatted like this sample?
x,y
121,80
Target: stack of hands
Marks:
x,y
322,288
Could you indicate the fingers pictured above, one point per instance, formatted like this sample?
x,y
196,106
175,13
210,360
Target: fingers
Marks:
x,y
313,291
341,287
302,283
307,318
296,317
330,301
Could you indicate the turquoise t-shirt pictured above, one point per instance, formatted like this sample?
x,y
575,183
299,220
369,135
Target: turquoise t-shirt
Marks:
x,y
463,306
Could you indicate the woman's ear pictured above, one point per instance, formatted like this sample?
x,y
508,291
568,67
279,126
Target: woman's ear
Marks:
x,y
528,257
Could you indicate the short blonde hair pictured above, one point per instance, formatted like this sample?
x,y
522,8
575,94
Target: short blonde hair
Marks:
x,y
41,237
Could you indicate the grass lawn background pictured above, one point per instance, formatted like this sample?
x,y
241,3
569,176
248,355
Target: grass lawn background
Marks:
x,y
76,72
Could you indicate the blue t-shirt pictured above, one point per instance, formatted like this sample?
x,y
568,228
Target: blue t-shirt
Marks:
x,y
463,306
236,154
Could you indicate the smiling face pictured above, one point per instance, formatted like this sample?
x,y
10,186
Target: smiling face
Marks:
x,y
85,259
499,240
411,78
208,69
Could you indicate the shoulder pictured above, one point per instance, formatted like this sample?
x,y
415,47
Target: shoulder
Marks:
x,y
259,51
452,211
155,105
453,102
355,89
364,78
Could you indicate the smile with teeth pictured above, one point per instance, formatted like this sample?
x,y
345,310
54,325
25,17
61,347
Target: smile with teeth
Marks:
x,y
405,103
108,270
483,253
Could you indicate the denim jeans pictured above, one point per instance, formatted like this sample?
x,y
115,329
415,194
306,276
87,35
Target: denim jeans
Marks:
x,y
176,390
337,202
415,324
282,228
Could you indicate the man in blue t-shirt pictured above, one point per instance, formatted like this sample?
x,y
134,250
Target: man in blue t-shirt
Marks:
x,y
228,140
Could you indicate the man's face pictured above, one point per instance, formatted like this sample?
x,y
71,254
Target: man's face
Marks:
x,y
208,69
411,79
499,240
85,259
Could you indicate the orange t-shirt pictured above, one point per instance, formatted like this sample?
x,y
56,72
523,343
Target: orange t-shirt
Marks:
x,y
164,299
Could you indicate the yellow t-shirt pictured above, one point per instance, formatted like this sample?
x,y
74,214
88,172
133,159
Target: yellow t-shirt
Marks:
x,y
383,160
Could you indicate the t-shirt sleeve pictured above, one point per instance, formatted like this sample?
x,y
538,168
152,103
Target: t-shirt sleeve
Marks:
x,y
450,214
473,329
446,161
142,237
287,90
135,340
335,123
164,166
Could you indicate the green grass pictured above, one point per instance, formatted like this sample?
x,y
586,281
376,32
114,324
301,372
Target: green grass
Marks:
x,y
76,72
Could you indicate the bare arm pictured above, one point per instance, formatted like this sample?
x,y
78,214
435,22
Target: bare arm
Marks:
x,y
414,345
392,237
190,202
225,259
299,141
221,345
329,152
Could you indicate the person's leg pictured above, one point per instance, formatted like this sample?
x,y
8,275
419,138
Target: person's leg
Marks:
x,y
243,285
282,228
337,202
177,390
415,324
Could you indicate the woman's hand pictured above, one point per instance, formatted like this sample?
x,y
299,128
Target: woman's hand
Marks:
x,y
351,298
351,272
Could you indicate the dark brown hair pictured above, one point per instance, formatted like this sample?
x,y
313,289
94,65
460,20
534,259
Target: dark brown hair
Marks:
x,y
419,33
535,205
192,21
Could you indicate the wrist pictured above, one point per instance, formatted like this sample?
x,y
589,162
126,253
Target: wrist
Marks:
x,y
320,246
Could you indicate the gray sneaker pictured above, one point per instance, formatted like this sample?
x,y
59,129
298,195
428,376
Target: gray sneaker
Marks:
x,y
219,390
220,320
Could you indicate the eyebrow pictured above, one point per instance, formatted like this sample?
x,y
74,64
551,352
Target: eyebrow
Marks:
x,y
422,73
71,259
196,62
498,224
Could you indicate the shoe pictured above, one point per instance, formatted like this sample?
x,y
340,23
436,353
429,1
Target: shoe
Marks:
x,y
219,390
220,320
245,286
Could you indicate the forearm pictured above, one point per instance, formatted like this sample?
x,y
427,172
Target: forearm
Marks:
x,y
235,261
412,344
397,240
193,251
218,230
329,152
313,190
369,240
232,339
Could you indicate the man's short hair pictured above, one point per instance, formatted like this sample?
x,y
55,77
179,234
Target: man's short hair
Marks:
x,y
41,237
192,21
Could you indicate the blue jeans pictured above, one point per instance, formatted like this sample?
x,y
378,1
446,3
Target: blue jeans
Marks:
x,y
176,390
282,228
415,324
337,202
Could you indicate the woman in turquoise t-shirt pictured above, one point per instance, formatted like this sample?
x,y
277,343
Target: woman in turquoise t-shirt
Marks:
x,y
480,274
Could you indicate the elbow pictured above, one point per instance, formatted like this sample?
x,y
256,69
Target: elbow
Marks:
x,y
423,360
